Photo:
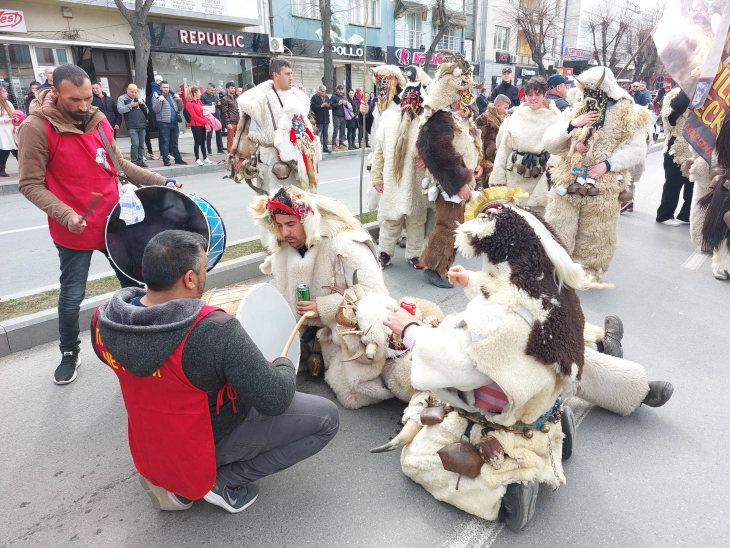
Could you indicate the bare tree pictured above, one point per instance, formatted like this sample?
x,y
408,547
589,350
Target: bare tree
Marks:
x,y
325,12
647,65
608,26
137,20
540,22
442,22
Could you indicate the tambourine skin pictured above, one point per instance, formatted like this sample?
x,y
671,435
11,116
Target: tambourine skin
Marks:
x,y
165,209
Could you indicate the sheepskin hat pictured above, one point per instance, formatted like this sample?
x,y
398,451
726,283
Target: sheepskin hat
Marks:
x,y
453,79
391,71
322,217
601,78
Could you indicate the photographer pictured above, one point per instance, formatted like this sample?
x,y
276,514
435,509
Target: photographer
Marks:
x,y
135,113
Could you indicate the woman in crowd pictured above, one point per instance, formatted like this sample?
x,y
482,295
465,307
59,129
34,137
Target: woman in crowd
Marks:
x,y
7,139
197,122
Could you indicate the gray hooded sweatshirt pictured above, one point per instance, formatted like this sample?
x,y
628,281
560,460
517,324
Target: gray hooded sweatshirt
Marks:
x,y
217,352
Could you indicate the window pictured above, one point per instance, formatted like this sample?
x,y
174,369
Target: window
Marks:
x,y
501,38
110,61
51,57
449,41
411,36
357,10
305,8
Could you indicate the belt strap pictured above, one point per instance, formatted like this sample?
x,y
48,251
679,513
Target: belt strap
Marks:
x,y
113,157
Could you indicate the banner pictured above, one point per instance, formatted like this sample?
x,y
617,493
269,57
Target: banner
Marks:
x,y
690,38
704,123
575,54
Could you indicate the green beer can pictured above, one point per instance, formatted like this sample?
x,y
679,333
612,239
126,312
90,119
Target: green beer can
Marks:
x,y
303,292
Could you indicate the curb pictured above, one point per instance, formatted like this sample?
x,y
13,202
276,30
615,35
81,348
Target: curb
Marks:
x,y
26,332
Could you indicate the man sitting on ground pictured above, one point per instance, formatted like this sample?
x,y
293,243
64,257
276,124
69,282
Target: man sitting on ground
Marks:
x,y
208,414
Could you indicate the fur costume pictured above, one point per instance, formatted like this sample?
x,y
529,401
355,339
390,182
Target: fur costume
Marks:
x,y
488,124
389,81
283,133
394,166
588,224
450,145
680,150
337,247
699,174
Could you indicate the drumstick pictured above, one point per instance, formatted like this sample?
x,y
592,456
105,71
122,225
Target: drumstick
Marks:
x,y
294,332
95,199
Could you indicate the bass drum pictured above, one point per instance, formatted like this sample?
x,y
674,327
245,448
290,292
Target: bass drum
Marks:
x,y
263,313
165,208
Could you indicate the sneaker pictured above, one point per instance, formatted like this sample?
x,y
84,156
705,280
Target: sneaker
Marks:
x,y
414,262
233,499
181,163
659,393
670,222
222,152
681,222
199,162
166,163
518,505
152,157
385,259
207,161
66,371
142,164
164,500
627,207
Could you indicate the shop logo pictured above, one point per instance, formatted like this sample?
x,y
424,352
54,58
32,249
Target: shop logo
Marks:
x,y
12,20
345,51
406,56
210,38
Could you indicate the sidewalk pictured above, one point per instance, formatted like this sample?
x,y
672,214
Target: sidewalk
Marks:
x,y
9,185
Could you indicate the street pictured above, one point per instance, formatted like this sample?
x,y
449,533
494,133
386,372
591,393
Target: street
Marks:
x,y
31,260
653,479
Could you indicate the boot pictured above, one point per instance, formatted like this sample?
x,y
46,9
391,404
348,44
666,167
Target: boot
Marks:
x,y
568,424
3,173
614,332
350,147
659,393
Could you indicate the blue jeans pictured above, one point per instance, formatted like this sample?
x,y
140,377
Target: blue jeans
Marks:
x,y
137,138
74,273
169,133
261,445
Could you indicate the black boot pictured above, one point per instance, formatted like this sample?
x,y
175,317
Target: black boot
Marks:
x,y
433,277
659,393
614,329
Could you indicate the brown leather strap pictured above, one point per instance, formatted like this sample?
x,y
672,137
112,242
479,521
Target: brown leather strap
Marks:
x,y
110,152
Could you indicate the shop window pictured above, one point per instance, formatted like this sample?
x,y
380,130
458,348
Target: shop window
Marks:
x,y
17,76
110,61
51,57
20,56
61,58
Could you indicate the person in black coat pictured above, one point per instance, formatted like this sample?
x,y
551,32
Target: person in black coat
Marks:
x,y
506,88
321,107
482,101
31,95
105,104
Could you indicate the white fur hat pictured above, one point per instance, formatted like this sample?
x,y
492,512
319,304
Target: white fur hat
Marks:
x,y
601,78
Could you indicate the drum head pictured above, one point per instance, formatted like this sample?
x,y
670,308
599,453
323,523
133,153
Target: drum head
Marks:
x,y
164,209
269,321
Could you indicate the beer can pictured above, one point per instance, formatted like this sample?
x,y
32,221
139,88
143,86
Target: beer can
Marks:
x,y
409,305
303,292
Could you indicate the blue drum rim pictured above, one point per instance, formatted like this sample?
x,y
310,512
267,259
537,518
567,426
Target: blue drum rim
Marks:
x,y
212,264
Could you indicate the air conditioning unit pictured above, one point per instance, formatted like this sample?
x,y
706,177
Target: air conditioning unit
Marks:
x,y
276,45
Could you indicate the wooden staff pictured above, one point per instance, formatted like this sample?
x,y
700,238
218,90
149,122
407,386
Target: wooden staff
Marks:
x,y
294,333
364,75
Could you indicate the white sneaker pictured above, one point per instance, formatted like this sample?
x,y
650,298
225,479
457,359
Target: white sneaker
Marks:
x,y
207,161
199,162
681,222
671,222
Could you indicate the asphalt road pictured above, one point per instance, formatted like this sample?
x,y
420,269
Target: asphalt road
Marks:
x,y
30,259
654,479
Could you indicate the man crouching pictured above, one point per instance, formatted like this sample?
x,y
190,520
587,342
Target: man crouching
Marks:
x,y
208,414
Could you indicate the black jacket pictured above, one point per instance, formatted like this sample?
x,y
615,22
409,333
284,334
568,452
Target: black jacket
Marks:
x,y
108,107
561,103
482,103
208,99
506,89
337,109
321,114
217,352
135,117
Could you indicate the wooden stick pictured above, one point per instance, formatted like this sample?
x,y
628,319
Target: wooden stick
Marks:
x,y
294,332
648,37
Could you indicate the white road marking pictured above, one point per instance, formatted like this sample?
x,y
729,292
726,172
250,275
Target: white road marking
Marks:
x,y
695,260
23,229
478,533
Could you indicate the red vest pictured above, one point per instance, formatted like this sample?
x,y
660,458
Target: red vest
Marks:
x,y
170,433
73,171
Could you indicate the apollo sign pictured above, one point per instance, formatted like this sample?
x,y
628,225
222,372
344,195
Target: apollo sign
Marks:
x,y
345,50
12,21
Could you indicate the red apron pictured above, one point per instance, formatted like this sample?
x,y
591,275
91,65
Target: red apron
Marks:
x,y
74,170
170,432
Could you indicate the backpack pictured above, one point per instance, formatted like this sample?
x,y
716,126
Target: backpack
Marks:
x,y
186,115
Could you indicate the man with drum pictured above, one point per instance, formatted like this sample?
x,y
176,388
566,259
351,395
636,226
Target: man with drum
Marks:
x,y
208,413
64,165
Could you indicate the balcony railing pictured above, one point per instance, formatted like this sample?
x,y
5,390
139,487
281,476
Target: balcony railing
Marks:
x,y
408,39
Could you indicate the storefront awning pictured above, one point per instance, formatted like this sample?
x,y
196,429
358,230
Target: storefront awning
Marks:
x,y
455,19
403,7
8,39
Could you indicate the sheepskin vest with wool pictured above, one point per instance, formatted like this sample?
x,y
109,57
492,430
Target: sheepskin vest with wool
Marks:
x,y
404,196
680,151
523,132
623,120
488,124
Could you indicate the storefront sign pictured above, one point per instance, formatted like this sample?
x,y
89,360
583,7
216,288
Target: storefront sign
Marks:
x,y
501,57
526,72
409,56
315,48
574,54
183,38
567,71
12,21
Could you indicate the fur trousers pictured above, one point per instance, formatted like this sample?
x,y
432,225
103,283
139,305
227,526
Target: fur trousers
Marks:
x,y
439,253
612,383
390,233
588,227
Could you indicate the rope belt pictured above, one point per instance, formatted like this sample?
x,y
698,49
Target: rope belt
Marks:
x,y
542,424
